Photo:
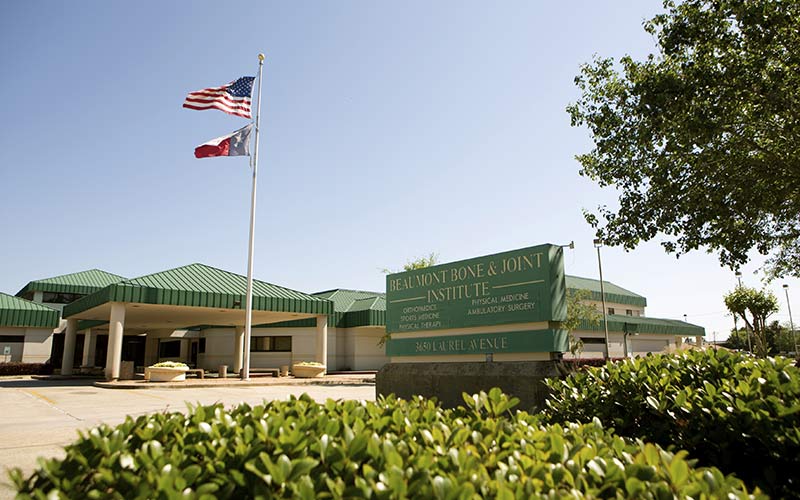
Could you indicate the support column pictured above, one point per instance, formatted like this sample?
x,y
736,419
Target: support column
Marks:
x,y
322,340
238,349
698,341
116,327
89,345
151,348
69,346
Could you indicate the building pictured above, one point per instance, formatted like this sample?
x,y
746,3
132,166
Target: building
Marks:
x,y
627,323
26,330
194,314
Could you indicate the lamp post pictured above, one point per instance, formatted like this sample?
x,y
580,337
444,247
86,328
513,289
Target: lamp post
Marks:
x,y
746,330
597,244
791,321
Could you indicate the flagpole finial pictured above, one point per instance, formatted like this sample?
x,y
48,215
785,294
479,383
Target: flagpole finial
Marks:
x,y
261,57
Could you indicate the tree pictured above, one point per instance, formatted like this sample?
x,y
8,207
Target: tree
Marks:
x,y
702,140
759,305
778,338
579,311
417,263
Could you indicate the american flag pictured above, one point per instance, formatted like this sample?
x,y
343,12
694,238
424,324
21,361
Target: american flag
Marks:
x,y
233,98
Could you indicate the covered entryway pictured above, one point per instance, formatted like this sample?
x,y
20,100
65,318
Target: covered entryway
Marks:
x,y
184,297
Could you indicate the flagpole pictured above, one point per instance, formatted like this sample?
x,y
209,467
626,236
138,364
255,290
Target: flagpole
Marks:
x,y
248,320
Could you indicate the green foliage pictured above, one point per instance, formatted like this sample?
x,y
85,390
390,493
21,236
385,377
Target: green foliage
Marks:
x,y
170,364
779,339
16,368
348,449
702,139
579,312
759,305
417,263
735,412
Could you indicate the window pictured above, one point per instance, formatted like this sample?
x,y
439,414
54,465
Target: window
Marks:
x,y
12,339
593,340
629,312
611,310
60,298
271,344
169,348
202,345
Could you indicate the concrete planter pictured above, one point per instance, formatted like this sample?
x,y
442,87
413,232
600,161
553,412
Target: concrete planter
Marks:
x,y
303,371
159,374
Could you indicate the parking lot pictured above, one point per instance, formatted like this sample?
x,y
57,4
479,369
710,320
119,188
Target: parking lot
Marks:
x,y
39,417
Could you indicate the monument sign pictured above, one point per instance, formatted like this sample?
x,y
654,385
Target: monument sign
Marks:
x,y
490,321
518,287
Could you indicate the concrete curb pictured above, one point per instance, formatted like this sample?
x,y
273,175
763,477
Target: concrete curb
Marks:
x,y
211,383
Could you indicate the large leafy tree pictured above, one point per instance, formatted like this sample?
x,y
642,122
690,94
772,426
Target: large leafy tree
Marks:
x,y
702,139
754,307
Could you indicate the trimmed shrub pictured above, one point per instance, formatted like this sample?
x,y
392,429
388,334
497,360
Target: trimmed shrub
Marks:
x,y
15,368
170,364
386,449
735,412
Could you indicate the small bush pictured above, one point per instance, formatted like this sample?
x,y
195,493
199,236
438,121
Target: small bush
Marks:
x,y
386,449
15,368
738,413
171,364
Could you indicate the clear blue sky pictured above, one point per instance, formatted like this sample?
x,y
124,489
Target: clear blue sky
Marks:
x,y
389,131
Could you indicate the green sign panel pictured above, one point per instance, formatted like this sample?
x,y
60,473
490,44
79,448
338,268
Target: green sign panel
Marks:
x,y
520,286
482,343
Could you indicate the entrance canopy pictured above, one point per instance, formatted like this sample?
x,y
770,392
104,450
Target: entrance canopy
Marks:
x,y
195,295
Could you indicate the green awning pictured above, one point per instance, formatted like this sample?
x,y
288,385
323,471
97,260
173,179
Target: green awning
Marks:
x,y
198,285
18,312
352,308
83,283
641,324
614,293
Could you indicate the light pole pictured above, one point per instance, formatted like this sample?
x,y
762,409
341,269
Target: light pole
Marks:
x,y
597,244
791,321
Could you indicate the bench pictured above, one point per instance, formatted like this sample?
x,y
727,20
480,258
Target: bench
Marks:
x,y
263,372
198,372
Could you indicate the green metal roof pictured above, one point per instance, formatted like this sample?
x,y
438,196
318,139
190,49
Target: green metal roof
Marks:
x,y
84,282
352,308
614,293
15,311
199,285
642,324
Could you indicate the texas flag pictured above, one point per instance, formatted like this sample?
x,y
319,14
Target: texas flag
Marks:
x,y
235,144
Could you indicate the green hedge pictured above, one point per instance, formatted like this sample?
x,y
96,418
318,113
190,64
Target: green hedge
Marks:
x,y
17,368
728,410
386,449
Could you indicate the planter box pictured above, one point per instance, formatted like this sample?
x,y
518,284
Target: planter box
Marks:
x,y
152,374
301,371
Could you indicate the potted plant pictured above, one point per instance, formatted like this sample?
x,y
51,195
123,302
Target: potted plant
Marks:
x,y
166,371
308,369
